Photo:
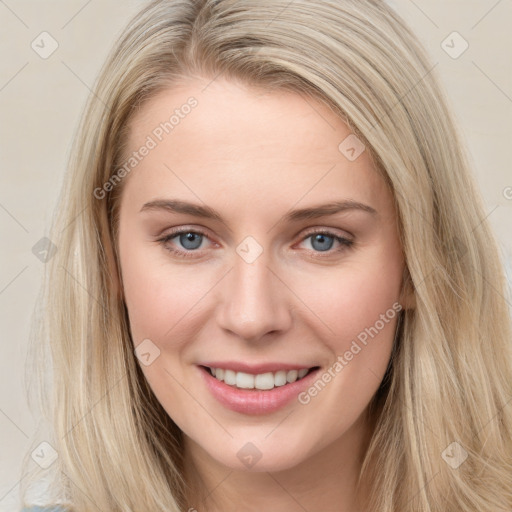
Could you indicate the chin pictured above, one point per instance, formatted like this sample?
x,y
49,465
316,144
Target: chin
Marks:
x,y
255,453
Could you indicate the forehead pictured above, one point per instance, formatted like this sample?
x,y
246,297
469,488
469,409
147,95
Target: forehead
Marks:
x,y
259,144
229,113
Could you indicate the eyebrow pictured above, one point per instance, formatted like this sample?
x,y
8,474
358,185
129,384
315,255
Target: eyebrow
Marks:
x,y
179,206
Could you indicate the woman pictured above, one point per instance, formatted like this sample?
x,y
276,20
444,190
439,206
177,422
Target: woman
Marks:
x,y
275,287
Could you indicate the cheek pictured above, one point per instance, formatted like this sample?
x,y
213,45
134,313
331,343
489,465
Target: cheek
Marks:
x,y
159,295
344,300
162,302
356,310
348,299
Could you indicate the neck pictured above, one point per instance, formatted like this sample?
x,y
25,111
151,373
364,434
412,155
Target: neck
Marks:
x,y
326,480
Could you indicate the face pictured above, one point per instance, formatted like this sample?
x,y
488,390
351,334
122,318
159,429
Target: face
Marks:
x,y
254,247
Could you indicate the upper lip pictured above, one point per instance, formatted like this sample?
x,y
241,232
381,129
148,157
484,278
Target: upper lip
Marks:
x,y
255,369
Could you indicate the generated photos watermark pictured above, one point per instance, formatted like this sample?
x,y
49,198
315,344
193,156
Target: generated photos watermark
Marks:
x,y
342,361
151,142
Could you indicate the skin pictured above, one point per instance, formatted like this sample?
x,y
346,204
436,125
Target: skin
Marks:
x,y
253,156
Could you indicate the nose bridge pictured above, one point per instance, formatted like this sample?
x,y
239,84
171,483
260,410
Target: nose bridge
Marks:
x,y
253,302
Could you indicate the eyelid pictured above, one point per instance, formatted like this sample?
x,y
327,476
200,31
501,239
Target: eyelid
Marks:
x,y
182,230
335,232
307,232
345,242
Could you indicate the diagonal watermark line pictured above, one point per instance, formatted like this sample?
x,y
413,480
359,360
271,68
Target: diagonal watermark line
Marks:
x,y
492,81
193,192
424,13
483,220
13,423
318,113
95,95
301,198
494,417
166,166
301,300
282,10
417,285
13,217
411,205
405,94
74,218
13,487
203,500
212,80
84,288
404,404
13,13
497,291
12,280
76,14
280,423
423,488
286,491
196,303
86,495
486,14
97,402
14,76
198,402
424,424
216,487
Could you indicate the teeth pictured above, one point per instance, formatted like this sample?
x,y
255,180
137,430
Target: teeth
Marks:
x,y
261,381
292,375
302,372
229,377
244,380
280,378
264,381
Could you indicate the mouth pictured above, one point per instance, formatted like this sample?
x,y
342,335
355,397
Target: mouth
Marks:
x,y
256,388
258,382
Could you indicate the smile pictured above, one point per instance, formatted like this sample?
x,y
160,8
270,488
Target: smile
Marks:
x,y
260,381
261,389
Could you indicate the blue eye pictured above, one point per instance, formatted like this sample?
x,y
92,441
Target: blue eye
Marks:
x,y
322,241
191,241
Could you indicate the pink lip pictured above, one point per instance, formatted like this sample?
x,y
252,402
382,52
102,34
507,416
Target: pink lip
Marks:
x,y
254,369
254,402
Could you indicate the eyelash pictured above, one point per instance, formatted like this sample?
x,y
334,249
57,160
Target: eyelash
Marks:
x,y
345,243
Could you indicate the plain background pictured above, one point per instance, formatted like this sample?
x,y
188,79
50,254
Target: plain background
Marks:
x,y
41,101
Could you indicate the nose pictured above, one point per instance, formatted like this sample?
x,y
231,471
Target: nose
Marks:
x,y
254,301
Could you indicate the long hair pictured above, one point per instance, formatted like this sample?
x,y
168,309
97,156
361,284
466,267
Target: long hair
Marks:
x,y
442,439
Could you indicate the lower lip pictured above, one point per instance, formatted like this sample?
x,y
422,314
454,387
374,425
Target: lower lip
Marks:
x,y
249,401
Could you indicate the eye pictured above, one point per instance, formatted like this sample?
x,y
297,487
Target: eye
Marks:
x,y
323,241
190,240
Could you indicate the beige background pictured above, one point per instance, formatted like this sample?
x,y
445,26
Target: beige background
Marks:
x,y
41,101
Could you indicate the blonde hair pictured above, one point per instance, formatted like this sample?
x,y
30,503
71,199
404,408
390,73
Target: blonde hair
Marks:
x,y
449,381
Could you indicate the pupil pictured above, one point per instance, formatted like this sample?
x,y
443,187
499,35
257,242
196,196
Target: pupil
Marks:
x,y
322,240
190,240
